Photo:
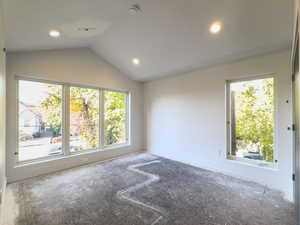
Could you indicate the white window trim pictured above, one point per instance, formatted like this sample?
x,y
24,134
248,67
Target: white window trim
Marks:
x,y
229,157
66,121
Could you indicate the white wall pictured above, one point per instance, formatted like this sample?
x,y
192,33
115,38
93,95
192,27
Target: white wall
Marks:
x,y
80,66
186,119
2,103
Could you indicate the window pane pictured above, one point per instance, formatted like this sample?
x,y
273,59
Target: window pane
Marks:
x,y
114,117
84,119
40,120
252,119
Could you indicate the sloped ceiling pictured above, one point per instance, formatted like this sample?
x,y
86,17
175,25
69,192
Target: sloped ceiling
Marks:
x,y
168,36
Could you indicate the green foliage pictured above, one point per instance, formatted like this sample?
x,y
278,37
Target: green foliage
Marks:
x,y
84,103
52,109
255,117
115,115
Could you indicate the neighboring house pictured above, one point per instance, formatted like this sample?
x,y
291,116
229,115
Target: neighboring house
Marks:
x,y
30,121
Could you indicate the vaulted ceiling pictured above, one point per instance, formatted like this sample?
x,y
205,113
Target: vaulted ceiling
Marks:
x,y
168,36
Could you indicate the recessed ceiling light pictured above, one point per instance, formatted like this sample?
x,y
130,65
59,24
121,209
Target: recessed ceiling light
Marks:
x,y
134,9
54,33
216,27
135,61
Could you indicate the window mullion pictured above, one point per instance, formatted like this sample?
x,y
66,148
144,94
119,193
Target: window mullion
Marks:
x,y
17,151
66,118
128,119
101,119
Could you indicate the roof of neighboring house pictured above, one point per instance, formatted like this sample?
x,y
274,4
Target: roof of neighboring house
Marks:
x,y
30,108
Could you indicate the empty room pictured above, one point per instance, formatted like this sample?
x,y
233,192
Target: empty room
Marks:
x,y
149,112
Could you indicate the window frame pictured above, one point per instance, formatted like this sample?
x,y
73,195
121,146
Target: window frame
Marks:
x,y
229,156
16,153
66,120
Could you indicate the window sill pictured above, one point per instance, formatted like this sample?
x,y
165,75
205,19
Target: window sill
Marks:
x,y
253,163
75,154
109,147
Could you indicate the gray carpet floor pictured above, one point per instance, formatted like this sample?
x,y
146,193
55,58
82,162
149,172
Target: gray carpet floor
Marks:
x,y
143,189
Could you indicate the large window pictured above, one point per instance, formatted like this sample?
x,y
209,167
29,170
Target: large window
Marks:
x,y
251,120
56,119
40,119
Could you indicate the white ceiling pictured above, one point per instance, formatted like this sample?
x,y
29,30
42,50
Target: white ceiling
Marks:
x,y
168,36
